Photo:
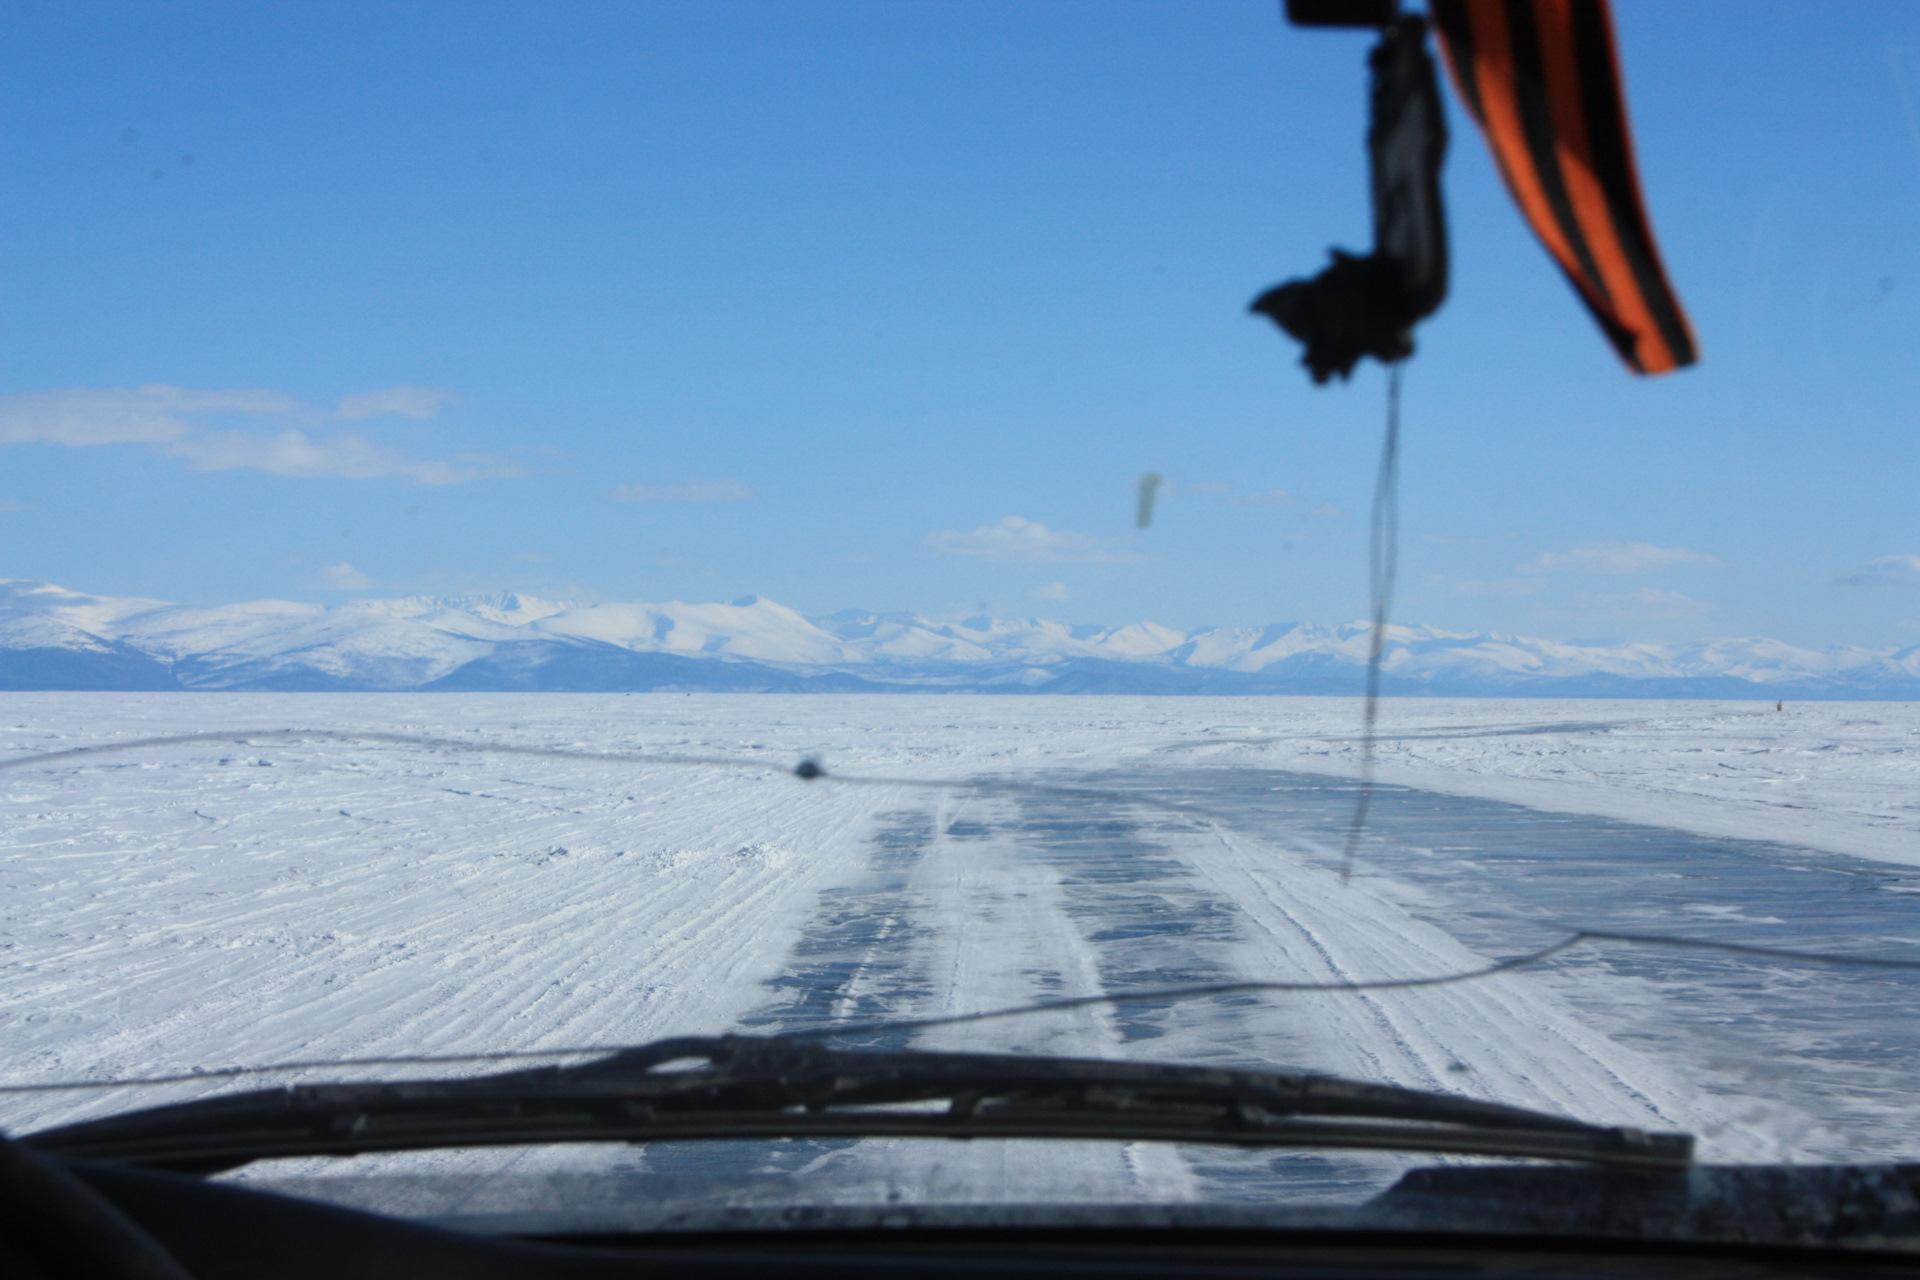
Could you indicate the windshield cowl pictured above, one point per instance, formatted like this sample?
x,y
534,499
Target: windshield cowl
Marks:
x,y
1857,1207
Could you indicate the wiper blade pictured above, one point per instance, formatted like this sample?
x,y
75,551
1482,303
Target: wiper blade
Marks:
x,y
754,1087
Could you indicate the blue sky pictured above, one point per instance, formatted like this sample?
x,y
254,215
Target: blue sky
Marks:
x,y
888,305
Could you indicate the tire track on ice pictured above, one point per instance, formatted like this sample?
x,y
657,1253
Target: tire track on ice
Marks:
x,y
933,923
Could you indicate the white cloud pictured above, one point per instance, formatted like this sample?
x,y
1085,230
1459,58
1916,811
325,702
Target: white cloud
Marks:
x,y
350,457
1488,586
122,415
170,417
728,490
1647,602
1902,568
408,402
1055,591
338,577
1013,538
1615,557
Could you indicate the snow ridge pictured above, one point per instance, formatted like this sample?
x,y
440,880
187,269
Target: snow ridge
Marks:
x,y
55,638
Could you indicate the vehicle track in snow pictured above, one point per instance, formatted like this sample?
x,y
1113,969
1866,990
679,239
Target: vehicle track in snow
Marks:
x,y
980,901
934,923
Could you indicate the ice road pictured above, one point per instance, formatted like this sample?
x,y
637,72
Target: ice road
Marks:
x,y
260,901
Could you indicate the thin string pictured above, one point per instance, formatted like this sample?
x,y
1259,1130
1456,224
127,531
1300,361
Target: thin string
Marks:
x,y
245,737
1383,565
1508,965
1166,994
808,770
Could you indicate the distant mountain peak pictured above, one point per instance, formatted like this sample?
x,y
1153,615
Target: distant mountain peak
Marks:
x,y
52,637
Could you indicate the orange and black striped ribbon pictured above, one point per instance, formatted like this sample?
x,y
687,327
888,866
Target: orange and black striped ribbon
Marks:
x,y
1542,79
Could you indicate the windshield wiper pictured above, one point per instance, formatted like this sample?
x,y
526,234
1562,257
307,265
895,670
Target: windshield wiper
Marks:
x,y
752,1087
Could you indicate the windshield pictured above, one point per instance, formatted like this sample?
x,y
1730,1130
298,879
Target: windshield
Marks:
x,y
643,522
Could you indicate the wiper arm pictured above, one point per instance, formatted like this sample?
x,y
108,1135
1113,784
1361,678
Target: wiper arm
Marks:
x,y
753,1087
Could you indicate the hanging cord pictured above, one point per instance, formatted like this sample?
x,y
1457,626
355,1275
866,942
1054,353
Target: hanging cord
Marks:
x,y
1169,995
1383,565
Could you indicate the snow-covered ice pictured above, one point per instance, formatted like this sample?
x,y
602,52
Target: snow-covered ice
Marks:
x,y
266,900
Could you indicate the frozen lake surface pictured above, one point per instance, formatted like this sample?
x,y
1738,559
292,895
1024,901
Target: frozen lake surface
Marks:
x,y
261,901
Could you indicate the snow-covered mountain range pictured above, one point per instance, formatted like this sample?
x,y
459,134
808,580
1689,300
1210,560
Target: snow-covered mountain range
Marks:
x,y
53,638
